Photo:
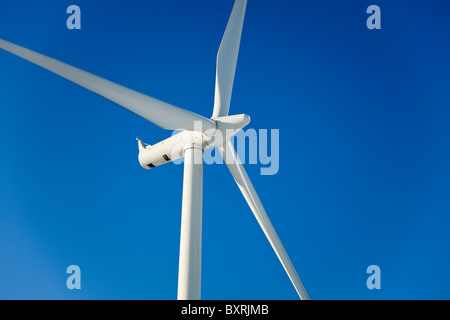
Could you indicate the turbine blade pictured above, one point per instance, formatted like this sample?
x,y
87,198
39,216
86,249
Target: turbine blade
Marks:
x,y
227,59
240,176
158,112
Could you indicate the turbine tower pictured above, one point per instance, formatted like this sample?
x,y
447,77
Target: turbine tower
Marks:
x,y
197,134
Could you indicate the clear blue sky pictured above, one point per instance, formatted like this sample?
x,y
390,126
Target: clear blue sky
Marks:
x,y
364,179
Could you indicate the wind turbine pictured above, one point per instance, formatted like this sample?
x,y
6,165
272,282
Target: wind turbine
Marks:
x,y
198,133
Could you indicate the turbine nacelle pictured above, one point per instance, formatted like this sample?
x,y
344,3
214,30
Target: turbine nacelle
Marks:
x,y
173,148
170,149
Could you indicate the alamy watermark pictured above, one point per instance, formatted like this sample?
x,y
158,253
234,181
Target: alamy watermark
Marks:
x,y
74,280
73,22
374,280
261,147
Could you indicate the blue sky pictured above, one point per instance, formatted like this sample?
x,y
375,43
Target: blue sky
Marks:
x,y
364,173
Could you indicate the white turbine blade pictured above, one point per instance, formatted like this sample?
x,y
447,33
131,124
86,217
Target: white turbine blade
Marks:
x,y
227,59
240,175
158,112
